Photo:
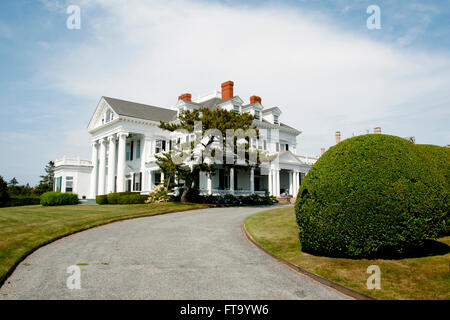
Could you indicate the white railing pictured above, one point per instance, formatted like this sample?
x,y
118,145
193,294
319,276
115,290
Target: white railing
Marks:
x,y
307,160
68,161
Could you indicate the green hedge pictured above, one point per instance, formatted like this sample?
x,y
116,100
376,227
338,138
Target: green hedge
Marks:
x,y
16,201
58,198
438,159
122,198
371,196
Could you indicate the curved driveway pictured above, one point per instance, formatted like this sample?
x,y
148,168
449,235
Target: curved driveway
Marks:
x,y
200,254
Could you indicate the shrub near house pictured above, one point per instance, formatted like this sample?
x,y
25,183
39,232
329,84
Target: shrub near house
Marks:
x,y
371,196
58,199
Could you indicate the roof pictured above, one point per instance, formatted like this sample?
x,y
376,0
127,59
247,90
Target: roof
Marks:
x,y
211,103
270,109
141,111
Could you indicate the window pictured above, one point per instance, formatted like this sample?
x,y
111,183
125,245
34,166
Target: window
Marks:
x,y
254,143
138,149
108,116
157,178
163,143
131,150
278,147
137,180
69,184
275,119
265,144
58,182
237,108
260,145
128,152
287,147
158,146
257,115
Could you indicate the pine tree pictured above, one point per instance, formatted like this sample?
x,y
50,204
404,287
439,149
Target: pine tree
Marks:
x,y
219,120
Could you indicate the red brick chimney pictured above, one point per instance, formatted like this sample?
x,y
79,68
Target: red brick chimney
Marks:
x,y
254,99
185,97
227,90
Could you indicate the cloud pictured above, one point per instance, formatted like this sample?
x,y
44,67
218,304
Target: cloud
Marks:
x,y
323,77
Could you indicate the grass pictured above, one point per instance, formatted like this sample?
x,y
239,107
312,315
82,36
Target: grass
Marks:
x,y
22,229
419,278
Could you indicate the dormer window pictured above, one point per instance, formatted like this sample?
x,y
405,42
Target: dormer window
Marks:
x,y
275,119
257,115
237,108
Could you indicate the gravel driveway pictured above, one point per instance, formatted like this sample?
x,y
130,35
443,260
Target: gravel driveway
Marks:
x,y
199,254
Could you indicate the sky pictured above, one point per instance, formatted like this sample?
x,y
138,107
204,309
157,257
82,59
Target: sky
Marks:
x,y
315,60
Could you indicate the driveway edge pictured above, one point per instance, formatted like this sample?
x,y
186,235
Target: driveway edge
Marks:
x,y
333,285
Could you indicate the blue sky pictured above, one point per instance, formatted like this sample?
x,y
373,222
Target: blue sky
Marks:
x,y
316,60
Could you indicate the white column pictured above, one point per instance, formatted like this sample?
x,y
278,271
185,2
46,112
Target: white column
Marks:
x,y
252,180
150,180
162,178
232,180
102,167
111,163
277,184
144,157
270,177
291,183
295,184
209,183
94,173
121,162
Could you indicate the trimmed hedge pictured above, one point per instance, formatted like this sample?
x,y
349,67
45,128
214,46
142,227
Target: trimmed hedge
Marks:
x,y
372,196
57,198
17,201
122,198
438,159
231,200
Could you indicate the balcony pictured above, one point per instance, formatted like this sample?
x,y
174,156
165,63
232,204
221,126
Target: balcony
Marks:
x,y
68,161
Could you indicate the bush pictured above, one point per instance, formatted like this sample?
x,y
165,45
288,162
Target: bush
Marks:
x,y
121,198
438,160
58,199
158,195
101,199
23,201
231,200
371,196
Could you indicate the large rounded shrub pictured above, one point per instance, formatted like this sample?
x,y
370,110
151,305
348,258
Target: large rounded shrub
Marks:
x,y
371,196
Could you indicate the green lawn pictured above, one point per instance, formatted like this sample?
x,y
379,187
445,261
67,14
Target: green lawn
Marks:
x,y
22,229
410,278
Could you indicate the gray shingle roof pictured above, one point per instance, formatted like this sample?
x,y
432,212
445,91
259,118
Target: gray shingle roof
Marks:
x,y
141,111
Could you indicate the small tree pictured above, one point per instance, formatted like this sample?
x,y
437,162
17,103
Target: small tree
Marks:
x,y
13,182
46,183
4,196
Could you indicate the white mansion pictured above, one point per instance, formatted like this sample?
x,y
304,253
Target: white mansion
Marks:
x,y
126,138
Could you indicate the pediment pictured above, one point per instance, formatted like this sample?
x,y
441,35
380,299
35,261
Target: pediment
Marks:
x,y
99,114
288,157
